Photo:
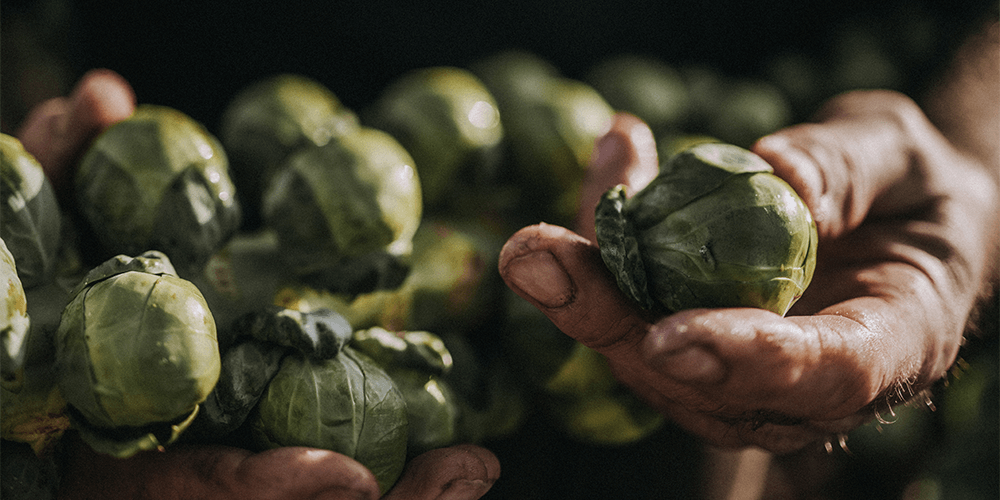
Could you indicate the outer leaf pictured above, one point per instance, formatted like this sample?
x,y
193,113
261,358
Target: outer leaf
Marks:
x,y
346,404
29,213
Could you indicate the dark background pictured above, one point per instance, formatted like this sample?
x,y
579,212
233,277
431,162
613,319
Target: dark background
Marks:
x,y
194,56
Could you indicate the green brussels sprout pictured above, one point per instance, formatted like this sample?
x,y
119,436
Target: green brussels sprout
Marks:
x,y
158,180
269,120
576,388
644,86
747,110
416,361
252,351
591,405
514,76
449,286
347,404
345,213
716,228
448,121
14,322
550,123
136,347
29,213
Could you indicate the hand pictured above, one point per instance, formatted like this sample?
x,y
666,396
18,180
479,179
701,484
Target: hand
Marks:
x,y
907,232
221,472
57,133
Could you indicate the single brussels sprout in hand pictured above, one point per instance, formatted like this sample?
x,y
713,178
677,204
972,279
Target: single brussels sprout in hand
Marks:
x,y
345,213
269,120
449,122
716,228
158,180
347,404
136,352
29,215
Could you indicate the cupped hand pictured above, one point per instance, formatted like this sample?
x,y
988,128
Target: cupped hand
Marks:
x,y
190,472
57,133
907,228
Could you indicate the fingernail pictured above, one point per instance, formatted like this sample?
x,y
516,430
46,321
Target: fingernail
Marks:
x,y
693,364
540,276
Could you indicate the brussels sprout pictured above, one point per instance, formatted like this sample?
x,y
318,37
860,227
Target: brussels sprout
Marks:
x,y
448,121
31,409
416,362
14,320
591,405
347,404
747,110
644,86
550,124
136,347
714,229
269,120
29,213
159,180
575,386
514,76
552,139
345,213
252,351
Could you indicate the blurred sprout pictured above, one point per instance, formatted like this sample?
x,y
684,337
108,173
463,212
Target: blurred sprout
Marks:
x,y
29,215
449,122
714,229
136,348
347,404
269,120
449,286
574,384
749,109
643,86
345,213
416,361
551,123
514,76
158,180
14,322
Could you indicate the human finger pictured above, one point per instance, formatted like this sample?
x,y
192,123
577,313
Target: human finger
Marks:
x,y
857,157
626,154
57,131
215,472
461,472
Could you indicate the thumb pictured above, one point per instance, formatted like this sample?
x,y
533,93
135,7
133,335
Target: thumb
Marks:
x,y
58,131
562,274
626,154
461,472
859,157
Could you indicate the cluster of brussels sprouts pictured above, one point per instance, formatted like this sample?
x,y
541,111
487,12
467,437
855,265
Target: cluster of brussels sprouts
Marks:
x,y
314,268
